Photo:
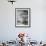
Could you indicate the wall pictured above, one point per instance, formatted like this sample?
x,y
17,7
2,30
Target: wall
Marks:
x,y
8,30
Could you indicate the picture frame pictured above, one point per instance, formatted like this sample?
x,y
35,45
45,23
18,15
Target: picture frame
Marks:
x,y
22,17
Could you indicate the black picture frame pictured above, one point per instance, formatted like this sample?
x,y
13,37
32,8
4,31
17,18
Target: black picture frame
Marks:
x,y
26,13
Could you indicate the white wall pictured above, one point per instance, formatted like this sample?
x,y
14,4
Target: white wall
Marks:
x,y
8,30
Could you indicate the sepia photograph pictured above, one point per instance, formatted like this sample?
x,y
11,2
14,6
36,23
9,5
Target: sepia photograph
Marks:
x,y
22,17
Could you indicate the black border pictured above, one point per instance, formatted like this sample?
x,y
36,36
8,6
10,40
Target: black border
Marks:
x,y
29,18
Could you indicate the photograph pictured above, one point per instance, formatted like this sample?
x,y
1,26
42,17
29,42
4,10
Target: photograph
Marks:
x,y
22,17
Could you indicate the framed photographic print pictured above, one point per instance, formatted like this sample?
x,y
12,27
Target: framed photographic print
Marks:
x,y
22,17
